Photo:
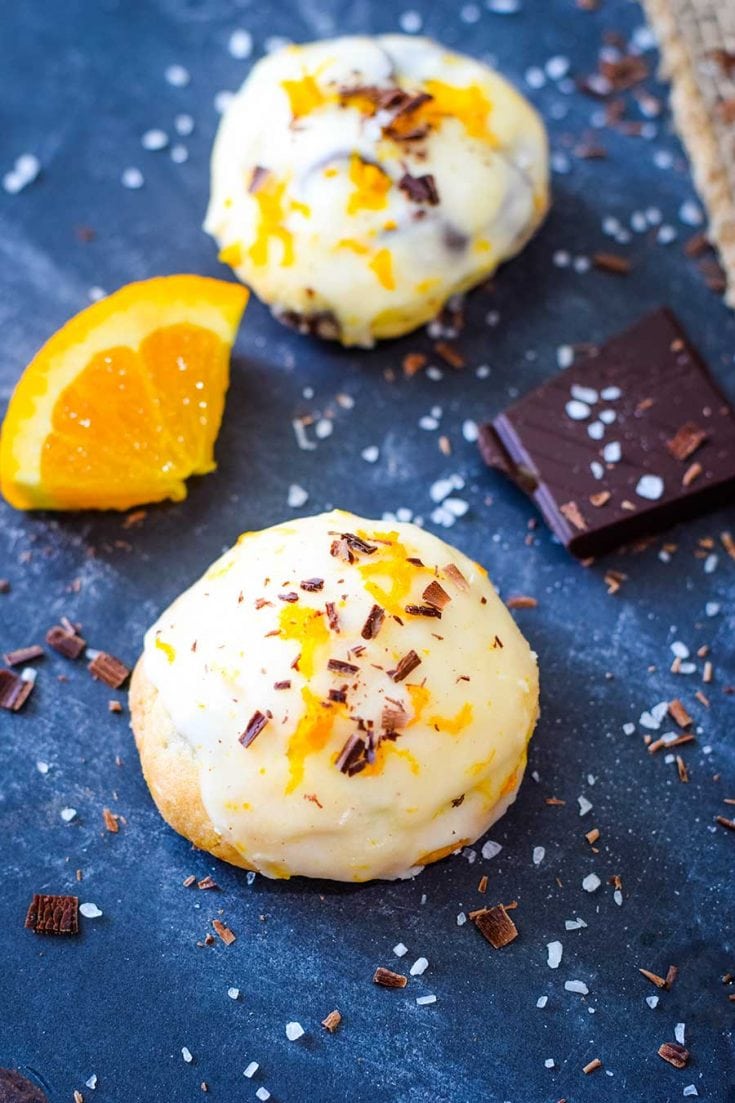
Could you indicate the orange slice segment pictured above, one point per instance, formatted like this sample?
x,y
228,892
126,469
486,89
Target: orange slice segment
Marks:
x,y
125,401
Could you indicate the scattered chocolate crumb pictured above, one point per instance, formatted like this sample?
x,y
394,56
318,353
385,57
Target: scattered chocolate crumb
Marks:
x,y
207,883
314,799
455,575
286,684
256,723
601,498
449,354
352,758
728,543
495,925
592,1065
687,439
53,914
109,670
420,189
679,713
573,514
682,769
393,719
373,624
4,586
356,543
593,835
408,663
66,641
22,655
224,932
724,822
114,706
339,696
482,886
111,821
674,1053
436,595
332,1021
188,881
612,262
312,585
258,178
554,801
388,979
691,474
290,597
521,601
413,362
14,690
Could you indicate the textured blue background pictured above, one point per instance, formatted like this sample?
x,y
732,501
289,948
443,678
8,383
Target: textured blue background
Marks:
x,y
80,83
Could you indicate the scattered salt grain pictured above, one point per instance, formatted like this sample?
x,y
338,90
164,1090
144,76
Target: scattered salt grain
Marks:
x,y
596,430
628,729
222,101
584,394
275,42
461,919
561,259
650,487
597,469
371,454
577,986
712,608
504,7
574,924
177,76
297,496
542,1001
491,849
154,140
90,911
610,394
585,805
42,767
470,13
186,1054
549,1063
710,564
233,993
680,649
618,898
262,1094
251,1070
666,235
240,45
183,125
679,1033
690,1090
612,452
429,423
410,22
423,1001
294,1031
557,67
690,213
132,178
470,431
68,814
555,951
576,410
591,882
539,854
652,1001
179,154
419,967
302,440
24,172
95,294
564,359
399,949
535,77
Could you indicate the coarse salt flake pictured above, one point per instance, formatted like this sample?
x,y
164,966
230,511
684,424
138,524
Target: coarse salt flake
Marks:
x,y
251,1070
410,22
555,951
154,139
294,1031
584,394
90,911
371,454
539,853
297,496
652,1001
233,993
491,849
576,410
187,1055
132,179
577,986
650,487
262,1094
423,1001
591,882
400,949
240,45
419,967
549,1063
542,1001
585,805
177,76
68,814
612,452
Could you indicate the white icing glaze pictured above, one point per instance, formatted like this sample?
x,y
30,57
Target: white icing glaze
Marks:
x,y
282,801
485,148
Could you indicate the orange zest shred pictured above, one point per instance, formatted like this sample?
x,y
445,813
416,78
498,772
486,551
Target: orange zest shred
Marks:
x,y
453,725
382,266
308,628
371,186
313,732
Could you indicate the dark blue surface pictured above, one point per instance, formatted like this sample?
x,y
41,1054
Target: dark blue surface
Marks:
x,y
80,83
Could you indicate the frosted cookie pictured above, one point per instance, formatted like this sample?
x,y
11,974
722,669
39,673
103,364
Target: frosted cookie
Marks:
x,y
336,698
358,183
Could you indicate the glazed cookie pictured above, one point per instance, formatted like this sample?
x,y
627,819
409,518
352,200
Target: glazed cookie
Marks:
x,y
336,698
358,183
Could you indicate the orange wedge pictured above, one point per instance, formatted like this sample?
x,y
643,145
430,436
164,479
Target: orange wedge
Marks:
x,y
125,401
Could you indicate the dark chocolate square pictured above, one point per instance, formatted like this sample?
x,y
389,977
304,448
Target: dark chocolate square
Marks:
x,y
645,393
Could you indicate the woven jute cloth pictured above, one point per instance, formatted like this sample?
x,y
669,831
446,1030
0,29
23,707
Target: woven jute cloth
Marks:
x,y
697,43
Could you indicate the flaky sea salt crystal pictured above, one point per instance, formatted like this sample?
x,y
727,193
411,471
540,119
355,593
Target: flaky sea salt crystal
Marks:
x,y
577,986
542,1001
251,1070
294,1031
555,951
90,910
591,882
539,853
419,967
187,1055
400,949
491,849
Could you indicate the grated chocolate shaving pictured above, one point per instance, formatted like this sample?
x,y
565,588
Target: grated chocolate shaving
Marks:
x,y
286,684
66,641
339,666
22,655
332,616
592,1066
495,925
452,572
408,663
612,262
109,670
53,914
436,595
338,695
356,543
449,355
256,723
687,439
290,597
312,585
14,690
679,713
111,821
388,979
393,719
521,601
654,978
259,177
207,883
424,611
353,756
374,623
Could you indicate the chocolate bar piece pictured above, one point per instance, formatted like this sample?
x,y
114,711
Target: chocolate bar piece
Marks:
x,y
624,443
